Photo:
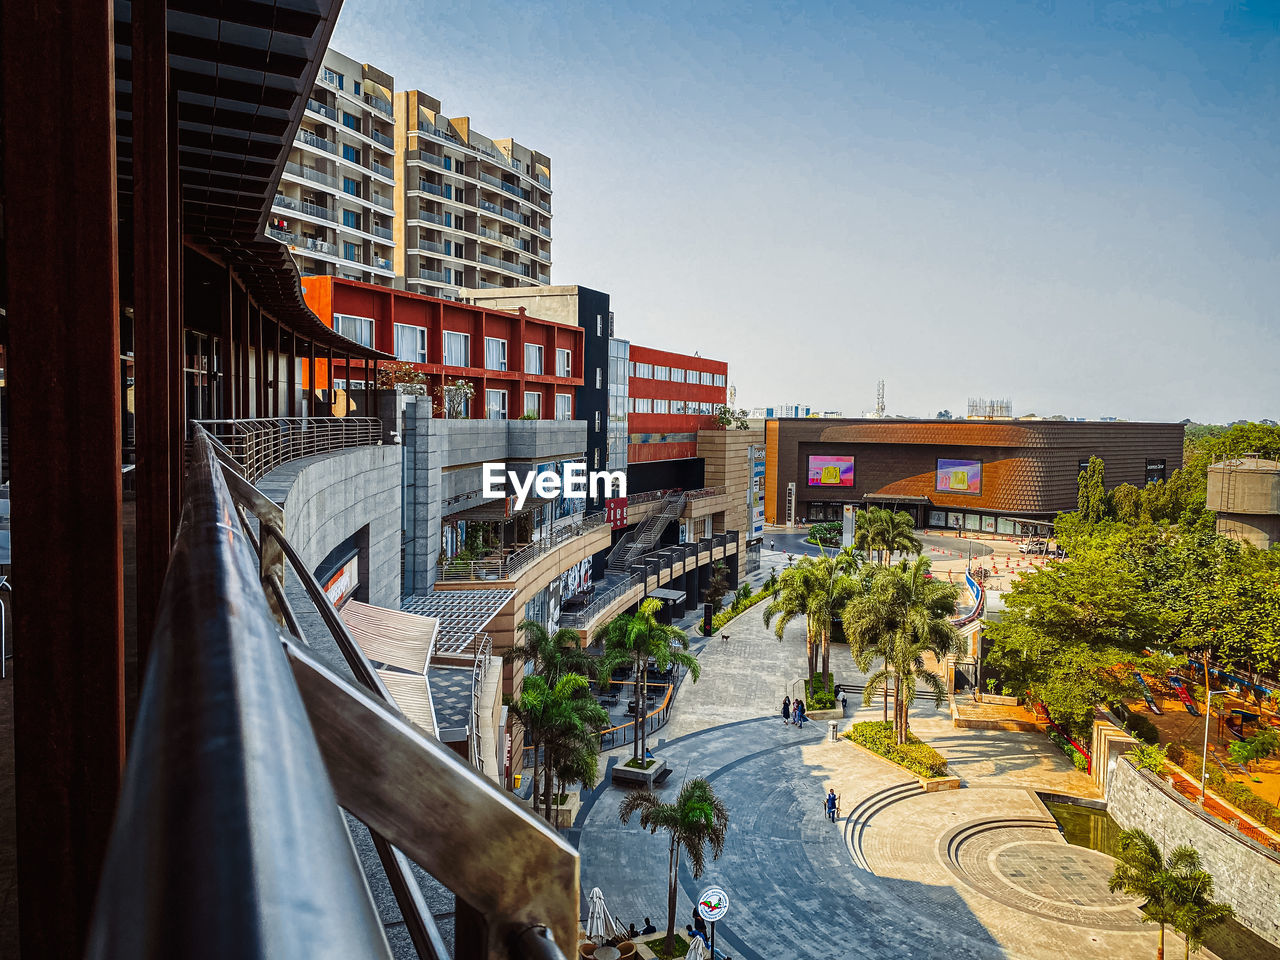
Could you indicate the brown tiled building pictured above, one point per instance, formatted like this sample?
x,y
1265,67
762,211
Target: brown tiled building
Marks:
x,y
981,474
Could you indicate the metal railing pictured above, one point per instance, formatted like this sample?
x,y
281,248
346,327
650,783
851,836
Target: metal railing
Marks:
x,y
381,201
703,492
487,205
247,749
384,171
322,109
581,619
545,181
287,203
317,142
310,173
259,446
509,565
379,104
319,212
432,246
381,232
428,216
512,215
383,139
283,236
321,246
427,186
544,278
545,231
382,263
435,276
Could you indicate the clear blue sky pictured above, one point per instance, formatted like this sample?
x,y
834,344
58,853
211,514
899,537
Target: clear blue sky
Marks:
x,y
1074,205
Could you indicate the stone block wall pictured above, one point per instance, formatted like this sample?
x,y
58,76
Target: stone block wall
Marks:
x,y
1244,875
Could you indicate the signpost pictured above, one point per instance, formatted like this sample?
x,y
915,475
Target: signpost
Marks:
x,y
848,530
713,904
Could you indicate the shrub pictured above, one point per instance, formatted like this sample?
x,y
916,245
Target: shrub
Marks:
x,y
1234,792
819,692
827,533
1142,728
724,616
1080,760
1147,757
915,756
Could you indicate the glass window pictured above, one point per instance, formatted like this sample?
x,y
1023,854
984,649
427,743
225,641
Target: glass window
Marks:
x,y
1155,470
351,219
599,378
597,419
564,406
662,373
564,363
644,371
677,375
533,403
331,76
350,120
359,329
495,404
644,405
532,358
599,325
351,186
355,88
495,353
660,406
457,349
411,343
693,376
350,153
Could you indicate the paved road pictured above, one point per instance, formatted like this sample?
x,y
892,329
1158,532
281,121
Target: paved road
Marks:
x,y
795,888
944,547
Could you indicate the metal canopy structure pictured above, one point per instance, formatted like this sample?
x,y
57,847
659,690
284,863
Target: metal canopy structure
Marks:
x,y
672,596
461,614
497,510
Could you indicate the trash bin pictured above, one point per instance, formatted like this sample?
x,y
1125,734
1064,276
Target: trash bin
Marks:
x,y
831,730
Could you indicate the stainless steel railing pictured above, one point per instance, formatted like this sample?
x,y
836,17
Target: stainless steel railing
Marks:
x,y
259,446
509,565
229,838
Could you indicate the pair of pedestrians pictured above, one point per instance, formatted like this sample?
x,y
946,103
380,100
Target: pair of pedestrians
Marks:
x,y
793,712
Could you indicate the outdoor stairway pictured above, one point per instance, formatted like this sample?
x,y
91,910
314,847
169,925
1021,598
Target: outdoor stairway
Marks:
x,y
643,539
855,825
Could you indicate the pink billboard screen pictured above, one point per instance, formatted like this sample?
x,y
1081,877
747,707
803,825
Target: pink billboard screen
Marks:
x,y
959,476
830,471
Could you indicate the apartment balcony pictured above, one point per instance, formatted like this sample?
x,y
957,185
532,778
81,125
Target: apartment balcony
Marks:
x,y
544,279
431,246
320,246
519,268
382,233
312,174
432,159
489,178
317,142
426,186
487,205
435,276
544,205
380,105
382,263
439,134
319,212
545,231
429,217
382,202
383,139
381,170
512,215
285,203
315,106
486,285
283,236
545,181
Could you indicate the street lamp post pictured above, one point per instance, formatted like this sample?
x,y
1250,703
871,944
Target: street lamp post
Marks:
x,y
1204,759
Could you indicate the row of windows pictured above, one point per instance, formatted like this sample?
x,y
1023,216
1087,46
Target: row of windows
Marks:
x,y
411,346
648,371
647,405
495,405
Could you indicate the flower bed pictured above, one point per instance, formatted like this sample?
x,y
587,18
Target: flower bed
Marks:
x,y
915,756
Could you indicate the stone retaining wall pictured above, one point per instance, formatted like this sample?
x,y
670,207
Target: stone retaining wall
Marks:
x,y
1244,875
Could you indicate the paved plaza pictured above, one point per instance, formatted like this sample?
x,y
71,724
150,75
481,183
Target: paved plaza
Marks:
x,y
977,872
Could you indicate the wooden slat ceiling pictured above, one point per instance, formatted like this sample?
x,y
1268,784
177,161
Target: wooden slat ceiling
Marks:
x,y
241,71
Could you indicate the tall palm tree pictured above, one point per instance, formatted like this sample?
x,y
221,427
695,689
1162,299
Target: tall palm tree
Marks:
x,y
1163,884
817,588
541,710
697,818
870,625
572,744
552,654
879,529
632,638
903,615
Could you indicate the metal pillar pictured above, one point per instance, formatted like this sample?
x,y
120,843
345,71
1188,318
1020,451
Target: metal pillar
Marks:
x,y
64,359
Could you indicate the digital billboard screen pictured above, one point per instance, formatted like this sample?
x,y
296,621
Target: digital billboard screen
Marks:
x,y
830,471
959,476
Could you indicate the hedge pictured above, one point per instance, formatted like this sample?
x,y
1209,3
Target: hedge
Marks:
x,y
1138,724
1233,791
915,756
820,692
724,616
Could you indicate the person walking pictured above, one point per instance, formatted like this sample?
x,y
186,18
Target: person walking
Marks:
x,y
831,805
786,710
797,710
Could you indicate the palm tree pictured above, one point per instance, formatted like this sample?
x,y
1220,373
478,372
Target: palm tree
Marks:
x,y
552,654
541,710
902,614
880,529
633,638
816,588
572,744
697,818
1197,912
1166,886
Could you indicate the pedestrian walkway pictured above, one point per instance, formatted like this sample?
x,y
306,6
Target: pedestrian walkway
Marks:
x,y
794,885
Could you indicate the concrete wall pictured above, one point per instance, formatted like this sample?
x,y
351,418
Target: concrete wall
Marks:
x,y
728,464
443,461
1244,875
329,498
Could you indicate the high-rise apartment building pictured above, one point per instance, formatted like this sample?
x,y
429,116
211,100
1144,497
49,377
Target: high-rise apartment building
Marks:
x,y
383,187
471,212
336,200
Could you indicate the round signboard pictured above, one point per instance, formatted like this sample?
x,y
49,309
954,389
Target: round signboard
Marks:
x,y
713,904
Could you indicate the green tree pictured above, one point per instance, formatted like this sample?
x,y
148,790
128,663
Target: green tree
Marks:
x,y
552,654
545,709
697,819
878,529
1166,886
633,638
816,588
1197,912
572,744
718,585
1259,747
1091,498
909,612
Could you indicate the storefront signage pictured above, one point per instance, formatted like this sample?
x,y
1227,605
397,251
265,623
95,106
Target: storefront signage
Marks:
x,y
755,492
343,582
615,511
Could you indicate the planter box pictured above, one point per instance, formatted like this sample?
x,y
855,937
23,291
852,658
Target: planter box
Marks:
x,y
631,778
568,809
998,700
835,713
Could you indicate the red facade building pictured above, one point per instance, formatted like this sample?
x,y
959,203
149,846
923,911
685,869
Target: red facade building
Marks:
x,y
671,396
516,364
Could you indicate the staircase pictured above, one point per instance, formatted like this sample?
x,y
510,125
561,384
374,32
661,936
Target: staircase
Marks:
x,y
641,540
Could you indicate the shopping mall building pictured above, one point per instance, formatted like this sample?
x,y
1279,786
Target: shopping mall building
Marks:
x,y
997,476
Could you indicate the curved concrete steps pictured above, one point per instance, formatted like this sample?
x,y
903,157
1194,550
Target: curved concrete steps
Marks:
x,y
855,824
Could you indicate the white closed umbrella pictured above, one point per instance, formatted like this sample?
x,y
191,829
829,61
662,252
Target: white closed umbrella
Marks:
x,y
600,925
697,949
